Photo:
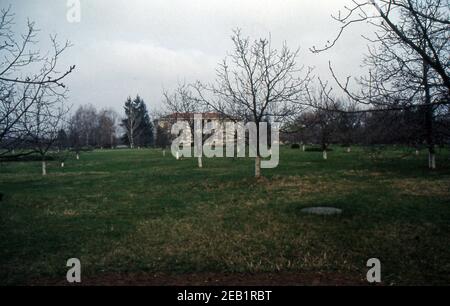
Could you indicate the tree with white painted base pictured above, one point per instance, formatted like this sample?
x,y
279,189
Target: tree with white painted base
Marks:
x,y
180,105
43,124
407,60
256,82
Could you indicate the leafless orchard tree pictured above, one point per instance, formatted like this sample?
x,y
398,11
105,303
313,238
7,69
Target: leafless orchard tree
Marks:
x,y
182,105
322,117
42,123
20,87
254,83
408,58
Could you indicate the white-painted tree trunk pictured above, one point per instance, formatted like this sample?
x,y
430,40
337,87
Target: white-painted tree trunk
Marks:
x,y
303,148
178,155
200,162
417,152
324,154
432,160
78,156
349,150
44,168
62,164
164,153
258,166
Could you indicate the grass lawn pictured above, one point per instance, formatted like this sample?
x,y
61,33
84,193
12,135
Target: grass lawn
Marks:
x,y
135,212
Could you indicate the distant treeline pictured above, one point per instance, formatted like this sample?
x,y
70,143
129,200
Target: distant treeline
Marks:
x,y
405,127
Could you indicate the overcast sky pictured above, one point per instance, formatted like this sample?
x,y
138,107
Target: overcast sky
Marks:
x,y
131,47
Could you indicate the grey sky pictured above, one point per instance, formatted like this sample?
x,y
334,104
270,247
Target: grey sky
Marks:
x,y
123,48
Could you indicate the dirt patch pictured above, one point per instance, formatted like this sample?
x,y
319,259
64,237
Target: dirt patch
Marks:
x,y
365,173
293,183
296,185
214,279
422,187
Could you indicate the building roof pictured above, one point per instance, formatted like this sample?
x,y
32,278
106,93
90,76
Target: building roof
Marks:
x,y
190,115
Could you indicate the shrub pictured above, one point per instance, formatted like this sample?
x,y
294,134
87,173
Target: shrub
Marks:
x,y
295,146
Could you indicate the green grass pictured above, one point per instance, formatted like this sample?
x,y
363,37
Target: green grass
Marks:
x,y
128,211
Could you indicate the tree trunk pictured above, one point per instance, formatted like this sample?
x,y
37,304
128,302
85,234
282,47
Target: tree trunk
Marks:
x,y
303,148
164,153
417,152
349,149
431,159
178,155
62,164
78,156
324,154
429,119
258,166
44,168
200,162
430,141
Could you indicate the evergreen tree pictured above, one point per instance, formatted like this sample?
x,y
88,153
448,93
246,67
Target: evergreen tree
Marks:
x,y
137,124
146,136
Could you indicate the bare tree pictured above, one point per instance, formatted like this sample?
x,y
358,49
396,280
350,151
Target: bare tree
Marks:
x,y
349,124
75,135
407,60
62,144
107,127
256,82
20,88
42,124
86,121
182,105
322,120
420,26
